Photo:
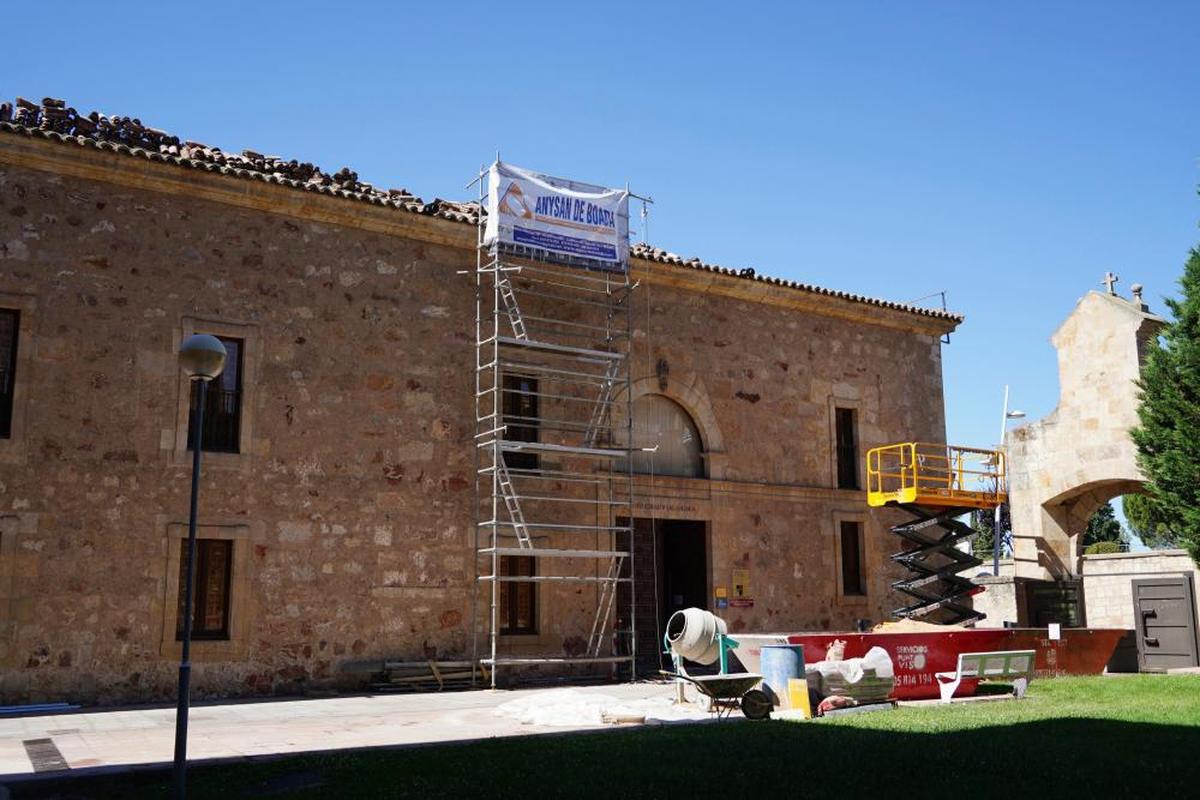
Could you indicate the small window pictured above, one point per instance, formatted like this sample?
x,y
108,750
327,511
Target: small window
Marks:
x,y
223,405
518,599
214,571
519,407
852,561
10,324
847,449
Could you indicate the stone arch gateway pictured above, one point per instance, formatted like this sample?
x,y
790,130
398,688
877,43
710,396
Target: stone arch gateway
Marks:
x,y
1066,465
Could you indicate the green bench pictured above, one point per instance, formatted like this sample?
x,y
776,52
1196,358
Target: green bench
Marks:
x,y
1014,665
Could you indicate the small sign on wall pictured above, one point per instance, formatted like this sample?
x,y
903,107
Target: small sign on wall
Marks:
x,y
743,597
741,583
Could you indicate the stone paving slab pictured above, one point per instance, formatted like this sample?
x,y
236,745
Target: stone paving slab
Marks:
x,y
145,736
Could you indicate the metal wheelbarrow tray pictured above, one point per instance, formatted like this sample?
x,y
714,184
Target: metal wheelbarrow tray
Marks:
x,y
727,692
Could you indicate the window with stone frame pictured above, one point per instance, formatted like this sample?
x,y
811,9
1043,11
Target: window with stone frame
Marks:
x,y
847,448
211,592
519,408
222,406
518,599
10,325
853,574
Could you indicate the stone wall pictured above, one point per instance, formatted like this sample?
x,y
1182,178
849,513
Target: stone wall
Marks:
x,y
350,503
1108,582
348,500
1000,599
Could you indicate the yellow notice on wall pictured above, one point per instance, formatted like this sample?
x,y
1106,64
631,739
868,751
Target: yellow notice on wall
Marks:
x,y
741,583
722,591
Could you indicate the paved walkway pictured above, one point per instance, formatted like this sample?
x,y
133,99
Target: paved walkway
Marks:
x,y
146,735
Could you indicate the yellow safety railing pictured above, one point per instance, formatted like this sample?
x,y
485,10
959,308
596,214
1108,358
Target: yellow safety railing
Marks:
x,y
935,474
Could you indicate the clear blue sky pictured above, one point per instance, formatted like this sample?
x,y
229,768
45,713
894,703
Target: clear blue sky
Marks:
x,y
1008,153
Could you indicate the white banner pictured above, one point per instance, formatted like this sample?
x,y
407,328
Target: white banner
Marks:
x,y
563,220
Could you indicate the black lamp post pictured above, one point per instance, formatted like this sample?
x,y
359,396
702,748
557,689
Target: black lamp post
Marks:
x,y
202,358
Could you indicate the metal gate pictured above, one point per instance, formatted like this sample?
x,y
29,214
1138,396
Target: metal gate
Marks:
x,y
1165,614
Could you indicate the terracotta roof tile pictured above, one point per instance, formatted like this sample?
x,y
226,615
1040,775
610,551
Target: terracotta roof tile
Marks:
x,y
52,119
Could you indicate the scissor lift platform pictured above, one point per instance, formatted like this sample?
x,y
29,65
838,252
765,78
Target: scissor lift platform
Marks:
x,y
916,473
936,484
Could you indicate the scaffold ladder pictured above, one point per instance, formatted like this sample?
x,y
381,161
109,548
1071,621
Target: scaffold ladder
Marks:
x,y
935,559
508,493
608,594
511,309
603,402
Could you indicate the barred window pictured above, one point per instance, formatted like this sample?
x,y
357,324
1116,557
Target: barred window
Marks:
x,y
223,405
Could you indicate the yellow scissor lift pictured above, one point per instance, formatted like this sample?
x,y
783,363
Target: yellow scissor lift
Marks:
x,y
936,484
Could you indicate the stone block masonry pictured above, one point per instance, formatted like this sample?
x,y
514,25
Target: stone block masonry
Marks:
x,y
357,448
348,503
1108,582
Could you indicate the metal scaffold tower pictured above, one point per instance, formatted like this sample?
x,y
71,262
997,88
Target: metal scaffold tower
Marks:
x,y
554,478
935,484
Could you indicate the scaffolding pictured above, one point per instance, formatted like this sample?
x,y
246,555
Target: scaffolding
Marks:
x,y
554,478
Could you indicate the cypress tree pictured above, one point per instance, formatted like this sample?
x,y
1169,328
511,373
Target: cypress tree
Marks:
x,y
1168,434
1143,517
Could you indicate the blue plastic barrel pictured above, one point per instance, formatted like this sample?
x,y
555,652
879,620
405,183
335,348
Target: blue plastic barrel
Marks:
x,y
780,662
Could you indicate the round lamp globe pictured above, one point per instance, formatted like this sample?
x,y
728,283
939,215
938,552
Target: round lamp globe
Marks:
x,y
202,356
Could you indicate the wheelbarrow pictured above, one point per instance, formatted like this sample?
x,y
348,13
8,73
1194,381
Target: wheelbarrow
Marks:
x,y
724,693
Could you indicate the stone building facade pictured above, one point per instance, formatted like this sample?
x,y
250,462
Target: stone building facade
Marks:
x,y
344,503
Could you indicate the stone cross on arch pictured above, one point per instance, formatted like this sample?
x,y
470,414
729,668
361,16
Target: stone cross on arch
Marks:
x,y
1110,281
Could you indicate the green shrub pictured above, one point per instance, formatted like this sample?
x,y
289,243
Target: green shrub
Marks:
x,y
1099,548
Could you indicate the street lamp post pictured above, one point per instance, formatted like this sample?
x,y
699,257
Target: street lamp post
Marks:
x,y
996,522
202,357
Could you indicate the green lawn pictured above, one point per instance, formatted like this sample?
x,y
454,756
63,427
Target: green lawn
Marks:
x,y
1136,736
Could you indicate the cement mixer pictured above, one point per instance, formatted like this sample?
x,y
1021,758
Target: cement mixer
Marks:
x,y
699,636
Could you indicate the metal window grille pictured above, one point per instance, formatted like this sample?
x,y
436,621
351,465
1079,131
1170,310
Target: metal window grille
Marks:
x,y
223,405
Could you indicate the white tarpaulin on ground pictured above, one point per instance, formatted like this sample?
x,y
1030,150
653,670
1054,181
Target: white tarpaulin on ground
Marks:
x,y
563,220
574,707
